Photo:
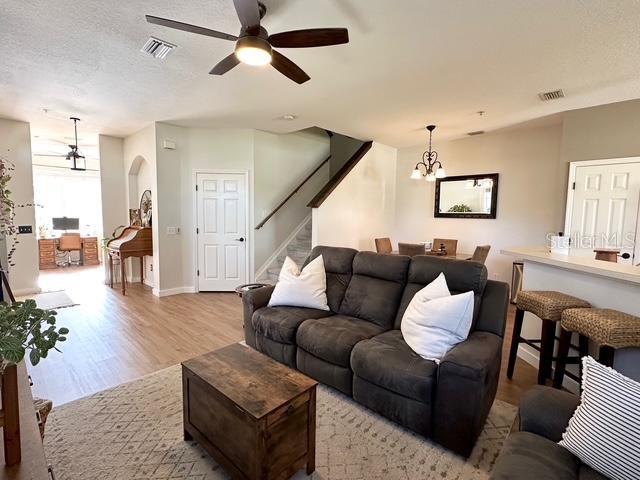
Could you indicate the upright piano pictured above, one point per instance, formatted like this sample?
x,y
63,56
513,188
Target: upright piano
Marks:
x,y
132,242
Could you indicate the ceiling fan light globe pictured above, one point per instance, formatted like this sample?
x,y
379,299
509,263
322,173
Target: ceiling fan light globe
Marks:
x,y
253,51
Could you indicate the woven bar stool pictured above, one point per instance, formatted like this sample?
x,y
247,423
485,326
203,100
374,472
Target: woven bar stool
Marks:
x,y
610,329
548,306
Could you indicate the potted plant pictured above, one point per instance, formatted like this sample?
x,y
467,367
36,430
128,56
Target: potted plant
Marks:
x,y
24,329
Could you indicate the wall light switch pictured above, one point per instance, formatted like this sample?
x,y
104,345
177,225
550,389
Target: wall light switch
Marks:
x,y
169,145
25,229
171,231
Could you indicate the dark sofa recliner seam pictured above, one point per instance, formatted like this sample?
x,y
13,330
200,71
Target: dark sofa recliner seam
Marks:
x,y
481,383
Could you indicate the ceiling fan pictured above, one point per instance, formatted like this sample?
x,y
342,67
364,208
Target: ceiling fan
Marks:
x,y
254,45
73,154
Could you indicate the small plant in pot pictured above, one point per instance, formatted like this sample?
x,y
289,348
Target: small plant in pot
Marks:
x,y
26,328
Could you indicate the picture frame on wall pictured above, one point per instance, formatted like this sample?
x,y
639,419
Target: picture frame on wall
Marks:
x,y
134,217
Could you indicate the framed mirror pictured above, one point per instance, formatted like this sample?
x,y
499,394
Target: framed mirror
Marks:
x,y
467,196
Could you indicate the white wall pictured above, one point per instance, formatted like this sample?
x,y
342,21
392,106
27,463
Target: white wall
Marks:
x,y
114,207
15,145
142,145
606,131
363,205
529,192
210,149
282,162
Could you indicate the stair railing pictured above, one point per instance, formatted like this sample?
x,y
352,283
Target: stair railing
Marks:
x,y
283,202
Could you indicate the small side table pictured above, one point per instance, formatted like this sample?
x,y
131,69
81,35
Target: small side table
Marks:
x,y
241,289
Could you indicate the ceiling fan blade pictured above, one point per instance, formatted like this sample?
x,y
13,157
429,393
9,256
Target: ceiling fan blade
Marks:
x,y
249,14
225,65
187,27
313,37
288,68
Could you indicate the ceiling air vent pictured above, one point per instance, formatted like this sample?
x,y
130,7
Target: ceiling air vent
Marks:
x,y
157,48
477,132
554,95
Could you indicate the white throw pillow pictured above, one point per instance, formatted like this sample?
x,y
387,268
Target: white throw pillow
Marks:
x,y
604,431
301,289
435,321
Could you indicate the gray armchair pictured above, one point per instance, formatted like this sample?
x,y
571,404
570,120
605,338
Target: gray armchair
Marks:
x,y
533,453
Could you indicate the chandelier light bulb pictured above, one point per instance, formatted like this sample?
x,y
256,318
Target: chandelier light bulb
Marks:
x,y
416,175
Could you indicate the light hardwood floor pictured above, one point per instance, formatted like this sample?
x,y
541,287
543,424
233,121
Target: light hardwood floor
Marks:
x,y
116,339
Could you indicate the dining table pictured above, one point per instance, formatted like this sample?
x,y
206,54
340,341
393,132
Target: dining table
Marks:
x,y
456,256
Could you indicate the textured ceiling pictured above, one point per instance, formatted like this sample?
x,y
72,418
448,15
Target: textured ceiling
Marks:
x,y
409,63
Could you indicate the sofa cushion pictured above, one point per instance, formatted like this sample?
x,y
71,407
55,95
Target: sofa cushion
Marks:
x,y
387,361
338,265
281,323
375,288
462,276
527,456
301,288
332,338
588,473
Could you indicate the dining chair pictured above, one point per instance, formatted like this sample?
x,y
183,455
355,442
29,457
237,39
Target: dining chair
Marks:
x,y
450,245
411,249
481,253
69,242
383,245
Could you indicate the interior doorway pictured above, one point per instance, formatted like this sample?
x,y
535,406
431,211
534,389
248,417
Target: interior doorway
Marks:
x,y
603,207
68,208
221,231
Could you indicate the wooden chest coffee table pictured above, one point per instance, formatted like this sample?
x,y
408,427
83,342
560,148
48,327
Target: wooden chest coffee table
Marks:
x,y
256,417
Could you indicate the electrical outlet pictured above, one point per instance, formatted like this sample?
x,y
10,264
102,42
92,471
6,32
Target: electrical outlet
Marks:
x,y
496,276
22,229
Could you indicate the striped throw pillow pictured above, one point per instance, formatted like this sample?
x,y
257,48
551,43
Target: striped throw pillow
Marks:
x,y
604,431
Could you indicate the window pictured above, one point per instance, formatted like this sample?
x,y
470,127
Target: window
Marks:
x,y
64,193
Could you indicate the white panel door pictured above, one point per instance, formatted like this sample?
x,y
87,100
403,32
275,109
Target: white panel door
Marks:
x,y
605,209
221,231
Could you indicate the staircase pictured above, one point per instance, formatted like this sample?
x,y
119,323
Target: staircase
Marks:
x,y
298,247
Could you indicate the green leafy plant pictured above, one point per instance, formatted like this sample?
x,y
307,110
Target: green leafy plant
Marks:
x,y
460,208
8,228
26,328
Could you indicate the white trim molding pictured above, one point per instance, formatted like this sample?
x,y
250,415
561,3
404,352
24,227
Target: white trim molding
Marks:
x,y
173,291
26,291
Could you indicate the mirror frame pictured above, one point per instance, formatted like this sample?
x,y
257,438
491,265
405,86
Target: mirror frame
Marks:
x,y
494,197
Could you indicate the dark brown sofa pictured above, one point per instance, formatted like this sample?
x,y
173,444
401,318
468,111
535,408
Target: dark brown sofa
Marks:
x,y
358,348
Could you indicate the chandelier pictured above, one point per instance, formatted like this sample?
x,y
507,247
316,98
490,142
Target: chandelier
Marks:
x,y
432,167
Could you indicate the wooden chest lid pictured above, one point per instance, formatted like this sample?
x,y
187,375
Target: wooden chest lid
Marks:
x,y
252,381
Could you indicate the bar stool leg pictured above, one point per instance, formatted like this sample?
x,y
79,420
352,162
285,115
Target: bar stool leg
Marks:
x,y
546,350
561,358
583,350
606,354
515,341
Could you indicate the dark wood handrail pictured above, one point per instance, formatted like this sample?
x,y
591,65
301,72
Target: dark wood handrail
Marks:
x,y
281,204
339,176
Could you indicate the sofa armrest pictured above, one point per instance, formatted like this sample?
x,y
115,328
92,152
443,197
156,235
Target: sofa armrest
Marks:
x,y
466,387
546,411
253,300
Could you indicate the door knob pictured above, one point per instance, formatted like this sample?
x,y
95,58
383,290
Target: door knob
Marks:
x,y
241,239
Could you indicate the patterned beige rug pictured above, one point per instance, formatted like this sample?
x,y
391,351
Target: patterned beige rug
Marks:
x,y
134,431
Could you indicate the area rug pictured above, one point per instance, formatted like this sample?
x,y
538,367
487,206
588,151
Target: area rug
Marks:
x,y
50,300
134,431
